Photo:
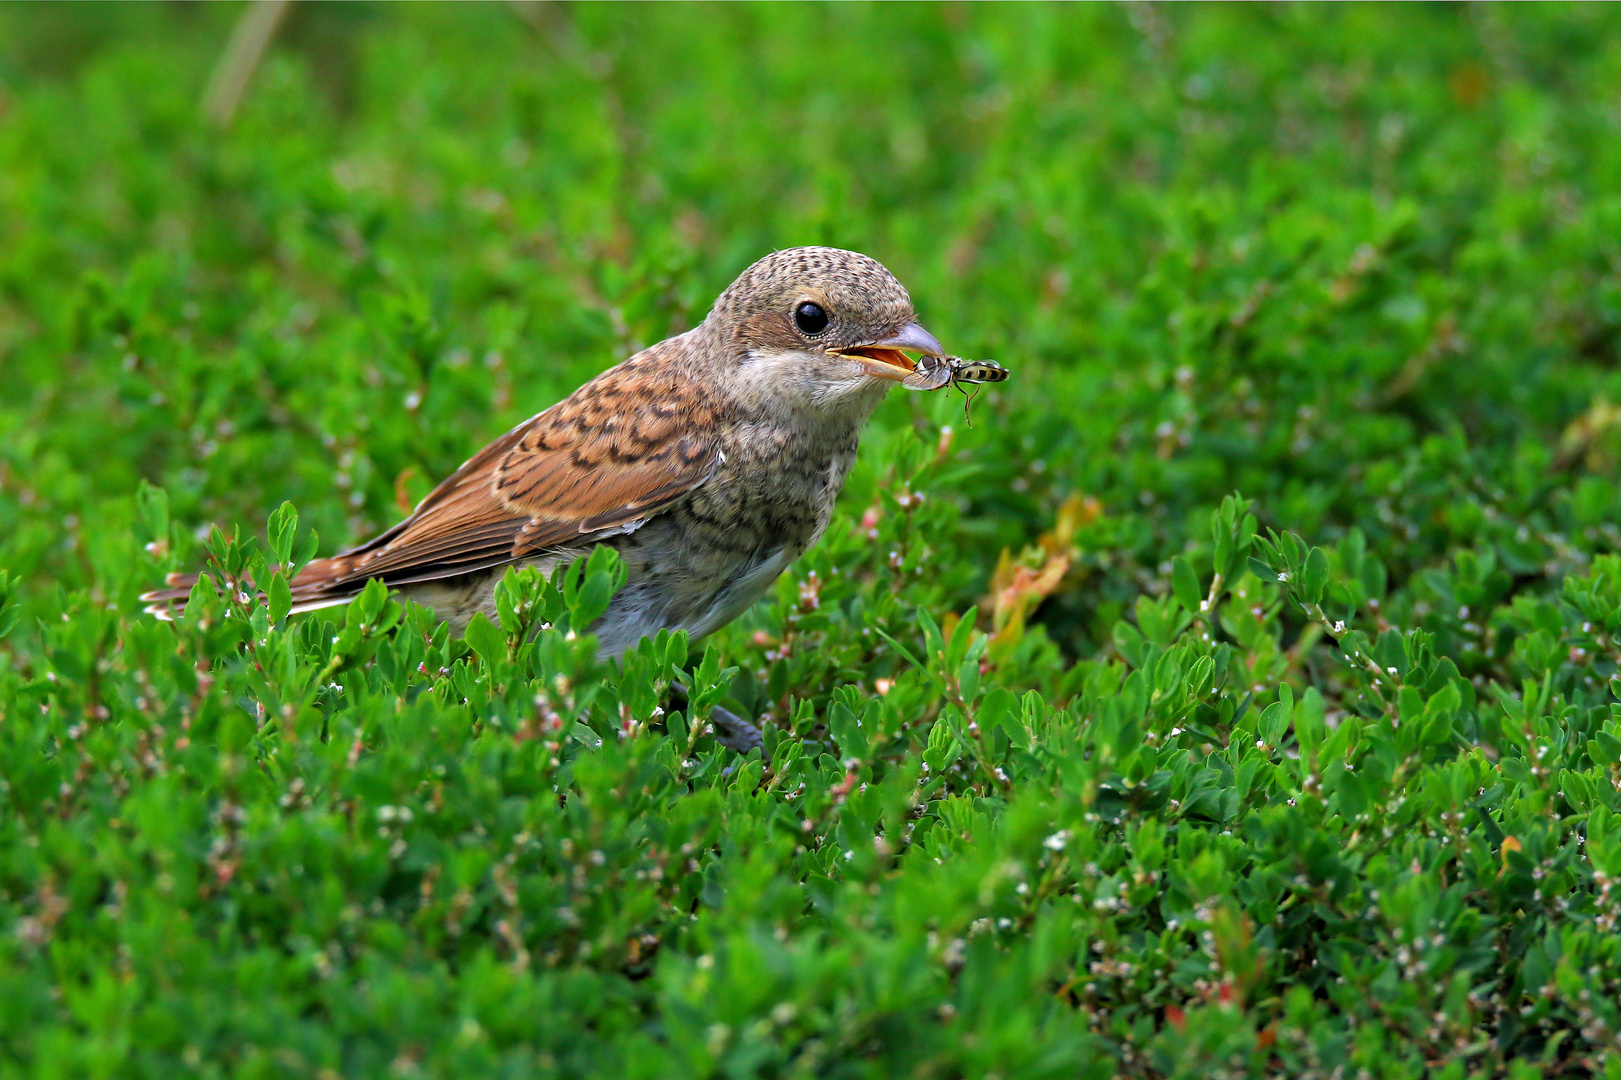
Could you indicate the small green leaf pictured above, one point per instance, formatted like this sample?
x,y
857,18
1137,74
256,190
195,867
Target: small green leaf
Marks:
x,y
9,591
305,552
1129,640
590,585
280,597
1274,723
1222,551
371,600
203,603
934,642
1314,576
1000,709
282,529
1185,584
486,640
961,635
1310,725
1200,676
676,649
845,728
235,732
152,508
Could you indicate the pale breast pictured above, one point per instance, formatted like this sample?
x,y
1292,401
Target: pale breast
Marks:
x,y
705,560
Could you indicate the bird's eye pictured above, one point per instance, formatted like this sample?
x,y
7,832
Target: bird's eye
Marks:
x,y
810,318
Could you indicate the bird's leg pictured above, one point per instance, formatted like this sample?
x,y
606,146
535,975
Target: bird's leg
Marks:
x,y
731,730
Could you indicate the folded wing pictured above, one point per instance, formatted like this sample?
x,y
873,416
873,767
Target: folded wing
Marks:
x,y
601,462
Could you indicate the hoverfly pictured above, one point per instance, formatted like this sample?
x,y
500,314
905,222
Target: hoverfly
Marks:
x,y
934,372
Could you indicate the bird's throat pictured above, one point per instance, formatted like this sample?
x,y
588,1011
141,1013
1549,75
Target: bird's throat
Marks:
x,y
806,389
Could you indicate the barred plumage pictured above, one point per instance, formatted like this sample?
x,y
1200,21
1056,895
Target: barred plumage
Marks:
x,y
710,461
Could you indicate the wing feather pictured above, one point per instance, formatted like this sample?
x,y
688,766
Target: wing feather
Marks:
x,y
620,449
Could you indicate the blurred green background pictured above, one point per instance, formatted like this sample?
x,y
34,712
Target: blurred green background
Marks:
x,y
1267,248
1360,263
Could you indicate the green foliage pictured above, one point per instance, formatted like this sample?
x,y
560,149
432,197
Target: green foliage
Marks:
x,y
1077,762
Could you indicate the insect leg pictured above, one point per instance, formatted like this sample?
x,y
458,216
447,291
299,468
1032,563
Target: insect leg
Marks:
x,y
968,398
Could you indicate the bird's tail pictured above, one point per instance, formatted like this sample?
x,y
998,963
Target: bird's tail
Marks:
x,y
323,583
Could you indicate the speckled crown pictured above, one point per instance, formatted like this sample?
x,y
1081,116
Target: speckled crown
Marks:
x,y
852,283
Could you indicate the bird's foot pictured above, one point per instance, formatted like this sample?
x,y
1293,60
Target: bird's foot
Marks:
x,y
736,733
731,730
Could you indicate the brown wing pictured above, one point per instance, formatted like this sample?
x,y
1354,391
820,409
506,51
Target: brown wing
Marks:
x,y
615,452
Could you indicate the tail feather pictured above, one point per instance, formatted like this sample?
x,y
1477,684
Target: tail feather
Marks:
x,y
321,584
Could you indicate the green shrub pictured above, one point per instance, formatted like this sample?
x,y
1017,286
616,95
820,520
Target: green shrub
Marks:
x,y
1078,763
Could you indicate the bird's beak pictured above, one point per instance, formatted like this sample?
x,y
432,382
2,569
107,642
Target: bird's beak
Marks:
x,y
887,359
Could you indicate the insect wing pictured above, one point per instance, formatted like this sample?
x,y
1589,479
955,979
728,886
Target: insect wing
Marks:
x,y
930,374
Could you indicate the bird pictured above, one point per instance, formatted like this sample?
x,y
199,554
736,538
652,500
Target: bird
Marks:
x,y
710,461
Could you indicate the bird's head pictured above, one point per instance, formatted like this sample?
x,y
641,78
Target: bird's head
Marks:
x,y
819,327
